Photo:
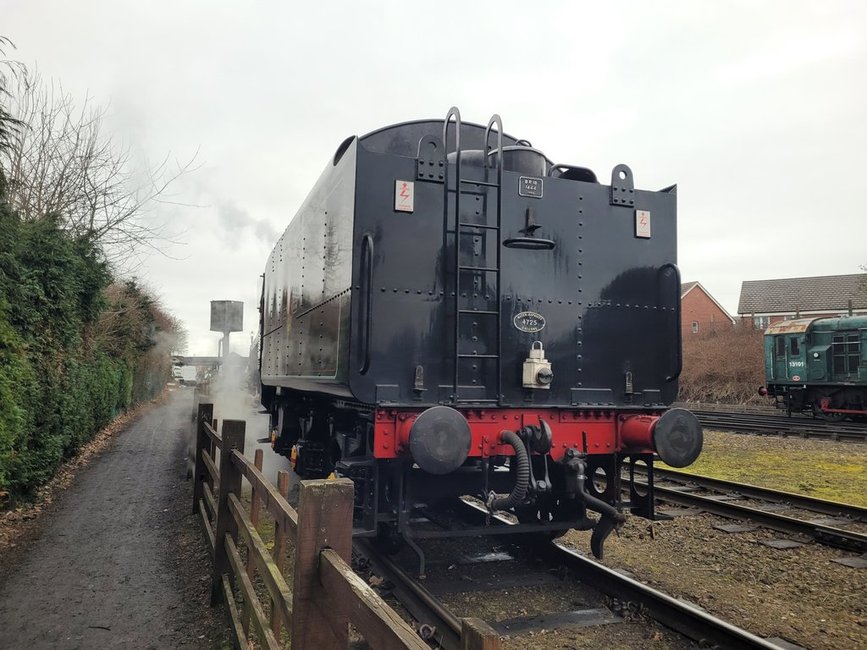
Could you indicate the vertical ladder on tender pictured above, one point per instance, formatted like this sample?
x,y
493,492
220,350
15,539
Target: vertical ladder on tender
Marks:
x,y
464,228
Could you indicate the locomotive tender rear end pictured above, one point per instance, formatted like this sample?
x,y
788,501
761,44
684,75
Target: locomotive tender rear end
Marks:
x,y
451,314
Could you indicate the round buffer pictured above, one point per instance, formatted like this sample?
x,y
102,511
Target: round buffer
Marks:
x,y
439,440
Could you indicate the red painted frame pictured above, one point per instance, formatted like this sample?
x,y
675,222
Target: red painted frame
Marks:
x,y
608,431
825,407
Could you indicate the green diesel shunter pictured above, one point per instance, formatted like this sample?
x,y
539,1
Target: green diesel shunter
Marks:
x,y
818,364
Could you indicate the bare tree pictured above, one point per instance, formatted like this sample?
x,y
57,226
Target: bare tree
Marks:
x,y
9,125
63,166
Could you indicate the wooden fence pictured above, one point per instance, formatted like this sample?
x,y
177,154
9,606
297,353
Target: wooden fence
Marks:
x,y
325,594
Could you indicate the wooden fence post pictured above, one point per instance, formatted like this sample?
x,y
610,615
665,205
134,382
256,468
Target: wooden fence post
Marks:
x,y
478,635
255,512
230,483
324,521
281,536
255,508
200,472
215,425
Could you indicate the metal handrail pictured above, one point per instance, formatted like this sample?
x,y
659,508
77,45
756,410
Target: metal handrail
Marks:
x,y
495,119
367,246
454,112
679,359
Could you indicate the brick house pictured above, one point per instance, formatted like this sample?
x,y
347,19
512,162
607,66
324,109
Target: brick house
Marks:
x,y
770,301
700,312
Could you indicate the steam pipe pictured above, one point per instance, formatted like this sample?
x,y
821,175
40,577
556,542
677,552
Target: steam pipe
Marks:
x,y
522,475
610,520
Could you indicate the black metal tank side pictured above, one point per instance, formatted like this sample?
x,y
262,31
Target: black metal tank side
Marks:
x,y
608,298
306,300
305,326
398,316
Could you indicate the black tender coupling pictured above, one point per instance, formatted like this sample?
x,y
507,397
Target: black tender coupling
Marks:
x,y
611,519
539,438
522,475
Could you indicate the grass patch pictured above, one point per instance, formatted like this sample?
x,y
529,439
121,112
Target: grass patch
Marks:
x,y
827,470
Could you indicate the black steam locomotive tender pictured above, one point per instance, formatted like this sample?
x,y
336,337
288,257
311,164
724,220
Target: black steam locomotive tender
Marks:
x,y
451,314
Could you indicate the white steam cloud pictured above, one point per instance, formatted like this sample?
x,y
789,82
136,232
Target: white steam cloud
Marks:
x,y
236,222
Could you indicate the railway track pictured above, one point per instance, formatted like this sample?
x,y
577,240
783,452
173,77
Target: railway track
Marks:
x,y
436,624
503,564
509,563
763,506
780,425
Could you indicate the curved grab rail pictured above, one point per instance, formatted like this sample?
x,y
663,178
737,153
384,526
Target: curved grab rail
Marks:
x,y
367,247
495,119
453,112
679,363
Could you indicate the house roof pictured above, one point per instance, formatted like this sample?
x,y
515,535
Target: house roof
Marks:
x,y
790,295
686,287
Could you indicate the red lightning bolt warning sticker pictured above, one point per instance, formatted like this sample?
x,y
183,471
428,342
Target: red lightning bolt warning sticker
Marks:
x,y
404,196
642,224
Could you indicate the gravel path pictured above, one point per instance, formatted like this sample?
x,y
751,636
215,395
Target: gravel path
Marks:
x,y
119,562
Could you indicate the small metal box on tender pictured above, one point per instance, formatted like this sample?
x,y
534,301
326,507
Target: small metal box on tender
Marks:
x,y
537,369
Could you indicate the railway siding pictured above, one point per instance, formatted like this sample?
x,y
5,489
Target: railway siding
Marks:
x,y
799,594
835,471
774,424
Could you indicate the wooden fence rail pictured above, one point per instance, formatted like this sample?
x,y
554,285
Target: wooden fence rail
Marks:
x,y
325,595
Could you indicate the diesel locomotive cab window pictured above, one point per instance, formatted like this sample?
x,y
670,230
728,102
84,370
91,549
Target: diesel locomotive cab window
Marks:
x,y
847,350
794,348
780,344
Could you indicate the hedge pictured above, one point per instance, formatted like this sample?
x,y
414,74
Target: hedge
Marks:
x,y
62,378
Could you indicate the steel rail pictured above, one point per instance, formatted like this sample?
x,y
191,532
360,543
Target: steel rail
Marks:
x,y
800,501
796,422
828,535
776,425
436,622
679,616
771,427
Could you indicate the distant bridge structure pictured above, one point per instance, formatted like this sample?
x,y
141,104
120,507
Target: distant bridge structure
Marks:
x,y
196,361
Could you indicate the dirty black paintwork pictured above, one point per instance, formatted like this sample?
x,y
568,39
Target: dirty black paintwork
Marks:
x,y
306,296
609,299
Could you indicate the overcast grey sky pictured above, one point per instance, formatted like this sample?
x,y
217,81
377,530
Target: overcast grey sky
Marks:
x,y
758,111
